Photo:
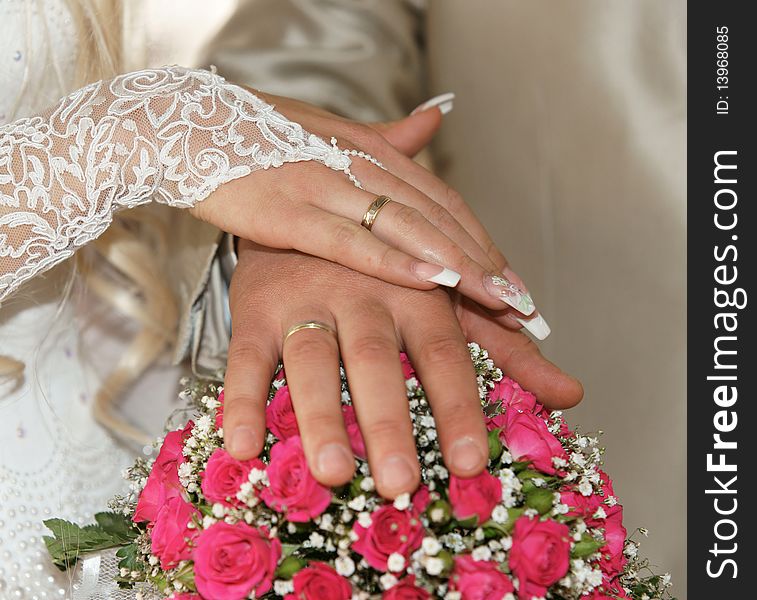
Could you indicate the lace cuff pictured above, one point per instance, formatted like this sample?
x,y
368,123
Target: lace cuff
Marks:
x,y
172,135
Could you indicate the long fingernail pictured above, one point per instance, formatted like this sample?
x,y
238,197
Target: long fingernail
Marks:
x,y
505,289
396,474
465,455
334,458
445,102
436,274
537,326
241,441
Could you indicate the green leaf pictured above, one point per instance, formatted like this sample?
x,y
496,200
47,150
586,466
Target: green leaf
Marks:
x,y
540,499
586,547
520,466
469,522
495,446
118,525
289,566
129,558
70,541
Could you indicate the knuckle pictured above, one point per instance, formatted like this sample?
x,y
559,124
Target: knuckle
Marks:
x,y
345,235
310,347
321,421
454,199
440,216
373,347
365,138
247,352
444,351
385,428
408,220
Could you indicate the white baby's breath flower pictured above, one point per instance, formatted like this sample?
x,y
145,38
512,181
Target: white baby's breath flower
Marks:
x,y
499,514
387,581
316,539
434,566
219,510
367,484
364,518
481,553
357,503
395,562
431,546
585,487
282,587
402,501
207,521
344,565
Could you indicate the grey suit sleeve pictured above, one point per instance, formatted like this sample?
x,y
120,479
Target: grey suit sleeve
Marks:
x,y
360,59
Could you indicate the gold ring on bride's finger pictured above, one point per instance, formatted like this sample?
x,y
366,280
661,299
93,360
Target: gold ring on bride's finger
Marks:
x,y
373,210
308,325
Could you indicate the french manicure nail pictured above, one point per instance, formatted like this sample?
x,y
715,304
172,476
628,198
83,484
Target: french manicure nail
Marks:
x,y
334,458
240,441
537,326
436,274
465,455
396,474
445,102
503,288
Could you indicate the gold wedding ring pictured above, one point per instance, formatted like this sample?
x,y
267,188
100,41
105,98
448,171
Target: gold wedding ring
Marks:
x,y
373,210
308,325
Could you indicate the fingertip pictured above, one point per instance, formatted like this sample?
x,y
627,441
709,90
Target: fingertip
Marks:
x,y
467,457
242,442
334,465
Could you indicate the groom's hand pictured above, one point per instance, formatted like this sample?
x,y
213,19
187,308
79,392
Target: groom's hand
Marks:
x,y
271,291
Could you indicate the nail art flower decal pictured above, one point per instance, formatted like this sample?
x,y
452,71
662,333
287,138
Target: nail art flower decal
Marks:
x,y
513,295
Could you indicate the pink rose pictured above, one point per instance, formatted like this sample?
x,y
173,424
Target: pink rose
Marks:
x,y
539,556
163,482
479,579
231,561
170,535
406,590
613,560
391,530
420,499
407,369
219,410
527,438
474,496
279,415
582,506
353,431
292,488
224,475
319,581
511,395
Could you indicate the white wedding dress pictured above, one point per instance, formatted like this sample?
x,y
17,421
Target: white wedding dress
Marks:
x,y
171,135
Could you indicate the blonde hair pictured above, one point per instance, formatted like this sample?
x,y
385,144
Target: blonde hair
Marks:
x,y
124,268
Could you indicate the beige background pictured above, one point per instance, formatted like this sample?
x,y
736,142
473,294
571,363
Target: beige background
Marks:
x,y
568,139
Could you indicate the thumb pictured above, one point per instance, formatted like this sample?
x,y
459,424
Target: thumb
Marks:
x,y
411,134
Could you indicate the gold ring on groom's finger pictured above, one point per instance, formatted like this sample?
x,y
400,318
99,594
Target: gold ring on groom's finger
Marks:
x,y
373,210
308,325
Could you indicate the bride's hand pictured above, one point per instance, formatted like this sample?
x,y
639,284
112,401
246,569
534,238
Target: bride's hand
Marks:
x,y
373,321
318,211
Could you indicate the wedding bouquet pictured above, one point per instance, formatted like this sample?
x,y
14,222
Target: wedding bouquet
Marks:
x,y
541,522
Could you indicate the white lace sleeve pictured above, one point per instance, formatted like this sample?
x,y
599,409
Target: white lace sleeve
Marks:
x,y
171,135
